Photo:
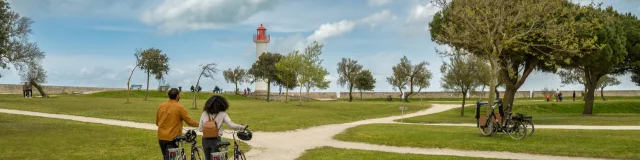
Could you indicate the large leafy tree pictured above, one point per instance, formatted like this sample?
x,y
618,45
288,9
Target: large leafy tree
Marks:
x,y
462,74
289,69
415,77
365,82
348,70
608,59
5,29
544,29
208,71
154,62
235,76
312,73
265,69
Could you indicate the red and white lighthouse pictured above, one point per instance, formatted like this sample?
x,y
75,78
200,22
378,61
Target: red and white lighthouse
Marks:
x,y
261,39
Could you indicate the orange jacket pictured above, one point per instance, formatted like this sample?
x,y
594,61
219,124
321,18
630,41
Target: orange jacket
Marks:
x,y
169,120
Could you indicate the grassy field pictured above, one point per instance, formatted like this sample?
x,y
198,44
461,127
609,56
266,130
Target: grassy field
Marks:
x,y
26,137
580,143
260,115
330,153
613,112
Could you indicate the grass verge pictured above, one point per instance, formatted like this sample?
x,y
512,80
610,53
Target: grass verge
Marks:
x,y
619,112
27,137
330,153
577,143
261,115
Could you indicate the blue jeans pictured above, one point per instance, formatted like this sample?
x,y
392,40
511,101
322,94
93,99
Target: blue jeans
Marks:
x,y
209,146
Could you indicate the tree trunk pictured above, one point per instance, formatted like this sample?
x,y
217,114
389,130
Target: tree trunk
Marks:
x,y
308,97
360,95
193,105
268,89
509,97
464,98
129,83
40,90
286,95
300,95
237,89
147,94
350,90
591,81
602,94
492,82
497,93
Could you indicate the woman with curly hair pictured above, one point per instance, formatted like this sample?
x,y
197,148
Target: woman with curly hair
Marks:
x,y
215,109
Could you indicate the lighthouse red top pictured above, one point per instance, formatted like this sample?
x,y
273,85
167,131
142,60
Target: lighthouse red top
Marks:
x,y
261,35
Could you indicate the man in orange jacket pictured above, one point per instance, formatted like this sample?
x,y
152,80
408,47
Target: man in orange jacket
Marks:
x,y
169,121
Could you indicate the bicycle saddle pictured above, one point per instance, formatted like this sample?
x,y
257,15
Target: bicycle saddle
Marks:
x,y
179,138
223,144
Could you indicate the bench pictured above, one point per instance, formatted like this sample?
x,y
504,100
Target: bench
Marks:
x,y
136,86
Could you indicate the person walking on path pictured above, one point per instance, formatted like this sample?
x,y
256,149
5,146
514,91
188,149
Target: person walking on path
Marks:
x,y
557,95
574,96
215,110
548,96
169,120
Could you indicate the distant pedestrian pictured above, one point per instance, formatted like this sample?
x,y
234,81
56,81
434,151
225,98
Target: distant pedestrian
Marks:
x,y
574,95
557,95
548,96
24,90
29,90
249,91
245,92
193,89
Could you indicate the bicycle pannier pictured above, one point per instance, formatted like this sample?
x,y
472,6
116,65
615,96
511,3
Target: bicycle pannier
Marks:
x,y
210,128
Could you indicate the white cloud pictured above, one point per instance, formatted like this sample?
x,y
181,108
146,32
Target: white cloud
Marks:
x,y
332,29
378,2
422,12
189,15
117,28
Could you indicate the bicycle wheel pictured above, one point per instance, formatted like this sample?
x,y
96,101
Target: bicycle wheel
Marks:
x,y
196,154
530,127
516,130
489,129
241,156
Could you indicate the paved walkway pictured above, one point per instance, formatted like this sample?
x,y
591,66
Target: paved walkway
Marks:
x,y
291,144
537,126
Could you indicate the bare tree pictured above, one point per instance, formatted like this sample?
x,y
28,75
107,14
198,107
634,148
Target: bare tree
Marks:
x,y
208,71
138,60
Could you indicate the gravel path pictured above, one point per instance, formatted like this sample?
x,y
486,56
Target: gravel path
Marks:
x,y
291,144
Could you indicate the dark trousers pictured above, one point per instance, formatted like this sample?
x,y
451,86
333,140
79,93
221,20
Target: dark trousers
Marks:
x,y
209,146
24,93
164,146
29,93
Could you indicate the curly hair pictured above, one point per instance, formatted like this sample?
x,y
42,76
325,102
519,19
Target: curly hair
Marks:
x,y
216,104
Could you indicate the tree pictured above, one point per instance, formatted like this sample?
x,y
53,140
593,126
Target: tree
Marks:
x,y
289,69
415,76
348,70
265,69
462,74
138,62
154,62
365,82
605,82
208,71
312,73
216,89
5,32
235,76
501,29
608,59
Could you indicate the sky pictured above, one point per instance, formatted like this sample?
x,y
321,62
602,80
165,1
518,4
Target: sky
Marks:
x,y
92,42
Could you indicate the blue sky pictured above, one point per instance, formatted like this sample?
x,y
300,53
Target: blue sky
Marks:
x,y
92,42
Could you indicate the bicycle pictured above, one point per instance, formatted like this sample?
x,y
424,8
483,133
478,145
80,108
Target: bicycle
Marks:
x,y
513,126
244,134
189,137
528,122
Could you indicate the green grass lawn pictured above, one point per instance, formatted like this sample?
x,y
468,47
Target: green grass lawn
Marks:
x,y
579,143
613,112
330,153
260,115
27,137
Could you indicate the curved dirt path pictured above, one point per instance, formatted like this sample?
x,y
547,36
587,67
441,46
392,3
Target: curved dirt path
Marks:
x,y
291,144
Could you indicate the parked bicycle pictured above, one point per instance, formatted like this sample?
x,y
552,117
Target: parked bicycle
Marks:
x,y
491,124
243,134
528,122
189,137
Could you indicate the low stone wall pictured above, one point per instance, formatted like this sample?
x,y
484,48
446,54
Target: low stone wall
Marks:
x,y
345,95
616,93
17,89
312,95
